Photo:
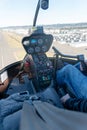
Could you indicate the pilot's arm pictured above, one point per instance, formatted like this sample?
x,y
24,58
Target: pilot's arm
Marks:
x,y
4,85
74,103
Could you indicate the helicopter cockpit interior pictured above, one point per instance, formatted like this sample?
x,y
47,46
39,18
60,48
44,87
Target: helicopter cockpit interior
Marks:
x,y
39,69
35,75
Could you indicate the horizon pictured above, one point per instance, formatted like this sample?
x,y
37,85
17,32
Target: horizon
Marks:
x,y
45,24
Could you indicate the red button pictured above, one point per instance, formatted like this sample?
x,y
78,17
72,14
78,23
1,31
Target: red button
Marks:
x,y
27,64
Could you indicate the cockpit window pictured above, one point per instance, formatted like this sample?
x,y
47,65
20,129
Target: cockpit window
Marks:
x,y
66,20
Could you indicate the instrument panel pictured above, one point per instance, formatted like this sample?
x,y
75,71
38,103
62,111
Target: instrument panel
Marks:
x,y
37,43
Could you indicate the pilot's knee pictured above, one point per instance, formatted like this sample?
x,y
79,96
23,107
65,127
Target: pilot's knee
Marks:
x,y
68,68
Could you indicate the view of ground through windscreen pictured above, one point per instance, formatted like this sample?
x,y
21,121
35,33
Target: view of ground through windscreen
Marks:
x,y
67,41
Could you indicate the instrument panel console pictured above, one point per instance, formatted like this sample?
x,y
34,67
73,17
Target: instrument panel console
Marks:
x,y
37,43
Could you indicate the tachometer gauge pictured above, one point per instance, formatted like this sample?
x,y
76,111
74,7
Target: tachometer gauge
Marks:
x,y
44,48
40,42
30,50
37,49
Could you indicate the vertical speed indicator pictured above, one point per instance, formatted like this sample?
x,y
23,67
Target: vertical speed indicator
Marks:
x,y
40,42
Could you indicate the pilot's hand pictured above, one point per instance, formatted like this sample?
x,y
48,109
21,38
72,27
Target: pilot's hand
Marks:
x,y
65,98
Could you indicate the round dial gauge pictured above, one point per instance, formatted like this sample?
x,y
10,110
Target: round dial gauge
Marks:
x,y
40,42
44,48
37,49
31,50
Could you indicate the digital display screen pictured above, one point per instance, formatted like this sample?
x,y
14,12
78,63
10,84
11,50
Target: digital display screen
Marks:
x,y
33,42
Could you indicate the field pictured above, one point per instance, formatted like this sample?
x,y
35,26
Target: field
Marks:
x,y
14,41
67,49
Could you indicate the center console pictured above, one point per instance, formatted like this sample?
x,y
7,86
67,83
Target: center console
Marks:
x,y
44,71
37,45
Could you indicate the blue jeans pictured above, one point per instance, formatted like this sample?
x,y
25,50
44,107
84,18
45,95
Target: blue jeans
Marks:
x,y
74,79
11,105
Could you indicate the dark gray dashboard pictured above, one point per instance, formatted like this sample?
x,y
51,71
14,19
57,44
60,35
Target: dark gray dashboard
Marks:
x,y
37,43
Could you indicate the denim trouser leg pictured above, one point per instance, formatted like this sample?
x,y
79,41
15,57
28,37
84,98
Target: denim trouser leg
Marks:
x,y
11,105
12,121
73,78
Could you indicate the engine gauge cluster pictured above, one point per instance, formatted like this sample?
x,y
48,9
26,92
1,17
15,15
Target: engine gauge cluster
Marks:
x,y
30,50
37,43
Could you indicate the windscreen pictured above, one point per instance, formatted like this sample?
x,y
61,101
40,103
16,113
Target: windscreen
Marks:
x,y
66,20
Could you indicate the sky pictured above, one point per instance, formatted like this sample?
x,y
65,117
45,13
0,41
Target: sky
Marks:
x,y
21,12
